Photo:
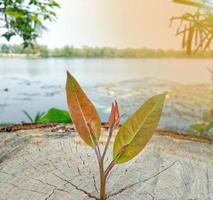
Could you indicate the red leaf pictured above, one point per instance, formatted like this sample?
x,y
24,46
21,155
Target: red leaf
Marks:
x,y
114,117
111,116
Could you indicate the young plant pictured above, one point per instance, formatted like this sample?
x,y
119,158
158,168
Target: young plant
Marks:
x,y
36,118
131,138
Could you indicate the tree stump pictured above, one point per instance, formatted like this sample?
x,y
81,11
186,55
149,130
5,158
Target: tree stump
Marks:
x,y
39,164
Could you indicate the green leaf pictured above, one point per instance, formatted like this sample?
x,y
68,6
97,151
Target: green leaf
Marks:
x,y
138,130
200,128
36,19
54,4
83,113
8,35
17,13
56,115
28,116
38,116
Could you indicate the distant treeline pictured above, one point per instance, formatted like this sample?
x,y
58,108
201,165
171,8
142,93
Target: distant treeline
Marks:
x,y
97,52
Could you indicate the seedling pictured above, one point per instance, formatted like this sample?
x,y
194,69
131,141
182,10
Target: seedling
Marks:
x,y
131,138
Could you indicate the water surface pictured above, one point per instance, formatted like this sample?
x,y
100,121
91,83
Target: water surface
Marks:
x,y
38,84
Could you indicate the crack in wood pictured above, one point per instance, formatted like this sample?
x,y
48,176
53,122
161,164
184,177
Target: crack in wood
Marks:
x,y
25,189
141,181
77,187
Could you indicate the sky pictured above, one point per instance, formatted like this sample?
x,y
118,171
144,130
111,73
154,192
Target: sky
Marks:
x,y
114,23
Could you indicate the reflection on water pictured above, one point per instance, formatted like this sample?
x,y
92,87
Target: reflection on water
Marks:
x,y
38,84
93,71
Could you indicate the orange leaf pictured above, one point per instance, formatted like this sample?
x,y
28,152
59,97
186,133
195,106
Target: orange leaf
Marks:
x,y
82,112
111,116
117,115
114,117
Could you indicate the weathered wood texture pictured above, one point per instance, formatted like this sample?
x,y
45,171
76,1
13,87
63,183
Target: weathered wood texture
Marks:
x,y
42,165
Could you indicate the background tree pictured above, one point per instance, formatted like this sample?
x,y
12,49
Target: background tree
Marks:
x,y
25,18
196,28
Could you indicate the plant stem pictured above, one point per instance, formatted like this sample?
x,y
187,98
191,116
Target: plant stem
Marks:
x,y
103,177
108,141
104,173
102,181
109,168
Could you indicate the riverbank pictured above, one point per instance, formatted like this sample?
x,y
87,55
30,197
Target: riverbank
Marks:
x,y
39,56
96,52
18,55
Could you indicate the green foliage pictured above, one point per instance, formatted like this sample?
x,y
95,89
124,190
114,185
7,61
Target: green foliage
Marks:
x,y
55,115
5,49
36,49
132,137
199,127
25,18
206,123
108,52
4,125
196,28
104,52
36,118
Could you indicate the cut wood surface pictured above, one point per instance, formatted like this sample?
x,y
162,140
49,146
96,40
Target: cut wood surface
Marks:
x,y
38,164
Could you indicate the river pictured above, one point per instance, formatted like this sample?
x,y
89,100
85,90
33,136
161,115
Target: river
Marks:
x,y
38,84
